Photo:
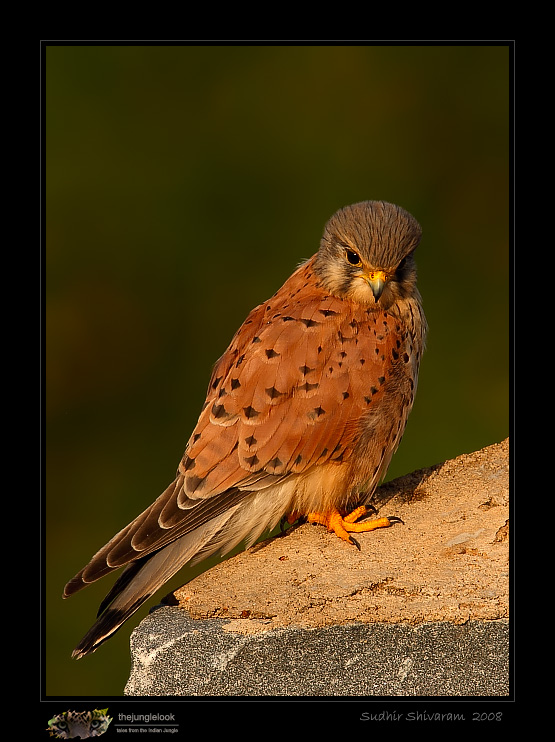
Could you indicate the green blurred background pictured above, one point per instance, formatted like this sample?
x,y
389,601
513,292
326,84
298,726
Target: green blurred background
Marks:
x,y
183,186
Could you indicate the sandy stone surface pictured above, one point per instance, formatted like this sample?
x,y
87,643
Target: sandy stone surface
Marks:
x,y
448,562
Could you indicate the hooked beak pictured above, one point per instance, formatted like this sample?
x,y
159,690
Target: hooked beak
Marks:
x,y
376,280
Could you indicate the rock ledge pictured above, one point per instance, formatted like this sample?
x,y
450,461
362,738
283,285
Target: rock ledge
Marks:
x,y
422,609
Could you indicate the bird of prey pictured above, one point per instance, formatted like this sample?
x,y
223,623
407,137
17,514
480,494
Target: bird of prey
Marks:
x,y
303,413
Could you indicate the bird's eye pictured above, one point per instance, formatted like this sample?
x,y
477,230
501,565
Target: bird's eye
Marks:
x,y
399,271
352,256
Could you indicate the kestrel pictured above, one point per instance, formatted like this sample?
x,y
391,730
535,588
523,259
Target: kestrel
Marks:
x,y
303,413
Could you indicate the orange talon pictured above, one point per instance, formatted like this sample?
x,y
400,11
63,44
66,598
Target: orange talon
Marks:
x,y
356,514
342,526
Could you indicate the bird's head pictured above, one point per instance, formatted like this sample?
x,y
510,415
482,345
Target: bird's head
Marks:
x,y
366,253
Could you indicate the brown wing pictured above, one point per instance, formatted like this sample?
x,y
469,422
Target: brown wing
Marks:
x,y
289,392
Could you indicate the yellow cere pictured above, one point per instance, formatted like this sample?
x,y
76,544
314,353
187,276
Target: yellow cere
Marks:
x,y
374,275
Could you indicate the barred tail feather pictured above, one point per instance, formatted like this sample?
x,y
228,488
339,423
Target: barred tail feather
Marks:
x,y
142,578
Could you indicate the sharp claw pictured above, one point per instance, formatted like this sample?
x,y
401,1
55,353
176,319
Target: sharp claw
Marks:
x,y
370,510
395,519
353,540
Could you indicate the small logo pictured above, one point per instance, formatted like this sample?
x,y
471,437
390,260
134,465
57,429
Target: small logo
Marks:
x,y
83,724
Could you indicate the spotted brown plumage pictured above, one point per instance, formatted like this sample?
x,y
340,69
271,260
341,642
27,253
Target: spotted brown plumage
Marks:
x,y
302,415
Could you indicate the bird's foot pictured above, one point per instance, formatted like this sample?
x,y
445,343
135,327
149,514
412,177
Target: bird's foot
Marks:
x,y
343,526
289,520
